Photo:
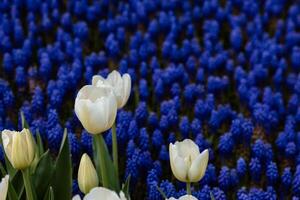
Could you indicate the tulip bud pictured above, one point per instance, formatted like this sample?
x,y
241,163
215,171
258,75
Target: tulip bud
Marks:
x,y
96,108
87,175
19,148
187,164
121,85
4,187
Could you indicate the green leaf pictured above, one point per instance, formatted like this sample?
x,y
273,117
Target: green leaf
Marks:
x,y
111,172
11,193
126,187
43,174
96,159
2,170
39,150
49,195
161,192
24,122
10,169
62,180
39,143
17,182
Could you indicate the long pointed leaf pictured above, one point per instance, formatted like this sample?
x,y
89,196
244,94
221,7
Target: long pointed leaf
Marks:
x,y
43,174
62,181
111,173
39,143
126,187
11,193
24,122
49,195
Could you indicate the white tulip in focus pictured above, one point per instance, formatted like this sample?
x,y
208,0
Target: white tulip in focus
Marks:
x,y
185,197
121,85
187,163
4,187
101,193
96,108
18,147
87,175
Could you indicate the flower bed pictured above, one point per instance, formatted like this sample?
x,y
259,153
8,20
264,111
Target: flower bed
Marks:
x,y
224,74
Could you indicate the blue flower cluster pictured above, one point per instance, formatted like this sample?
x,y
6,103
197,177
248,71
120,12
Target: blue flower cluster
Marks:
x,y
223,73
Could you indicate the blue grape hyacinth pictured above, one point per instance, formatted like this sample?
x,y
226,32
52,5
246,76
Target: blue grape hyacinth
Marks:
x,y
225,74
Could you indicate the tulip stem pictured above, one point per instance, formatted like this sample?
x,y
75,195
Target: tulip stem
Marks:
x,y
101,156
115,148
188,188
27,184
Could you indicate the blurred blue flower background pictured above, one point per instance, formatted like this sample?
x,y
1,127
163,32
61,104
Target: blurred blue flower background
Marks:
x,y
223,73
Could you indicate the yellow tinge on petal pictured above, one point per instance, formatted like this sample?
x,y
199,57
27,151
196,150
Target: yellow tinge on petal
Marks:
x,y
87,175
19,148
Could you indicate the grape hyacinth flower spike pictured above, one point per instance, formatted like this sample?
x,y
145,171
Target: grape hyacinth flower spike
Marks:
x,y
187,163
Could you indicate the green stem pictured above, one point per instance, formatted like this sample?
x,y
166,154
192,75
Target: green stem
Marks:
x,y
115,149
27,184
188,188
101,157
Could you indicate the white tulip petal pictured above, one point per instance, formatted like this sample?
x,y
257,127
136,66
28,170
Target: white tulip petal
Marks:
x,y
30,145
187,148
188,197
18,147
87,175
4,187
114,78
7,136
77,197
185,197
126,89
97,78
97,116
101,193
178,166
198,167
96,108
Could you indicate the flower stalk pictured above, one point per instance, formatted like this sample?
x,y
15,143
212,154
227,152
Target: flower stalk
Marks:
x,y
115,148
27,184
99,141
188,188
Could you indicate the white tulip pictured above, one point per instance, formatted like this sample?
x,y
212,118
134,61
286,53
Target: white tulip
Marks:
x,y
101,193
185,197
19,148
87,175
4,187
96,108
187,164
121,85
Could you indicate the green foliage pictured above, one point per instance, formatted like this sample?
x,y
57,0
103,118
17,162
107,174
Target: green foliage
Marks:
x,y
43,174
101,153
62,179
51,178
125,188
